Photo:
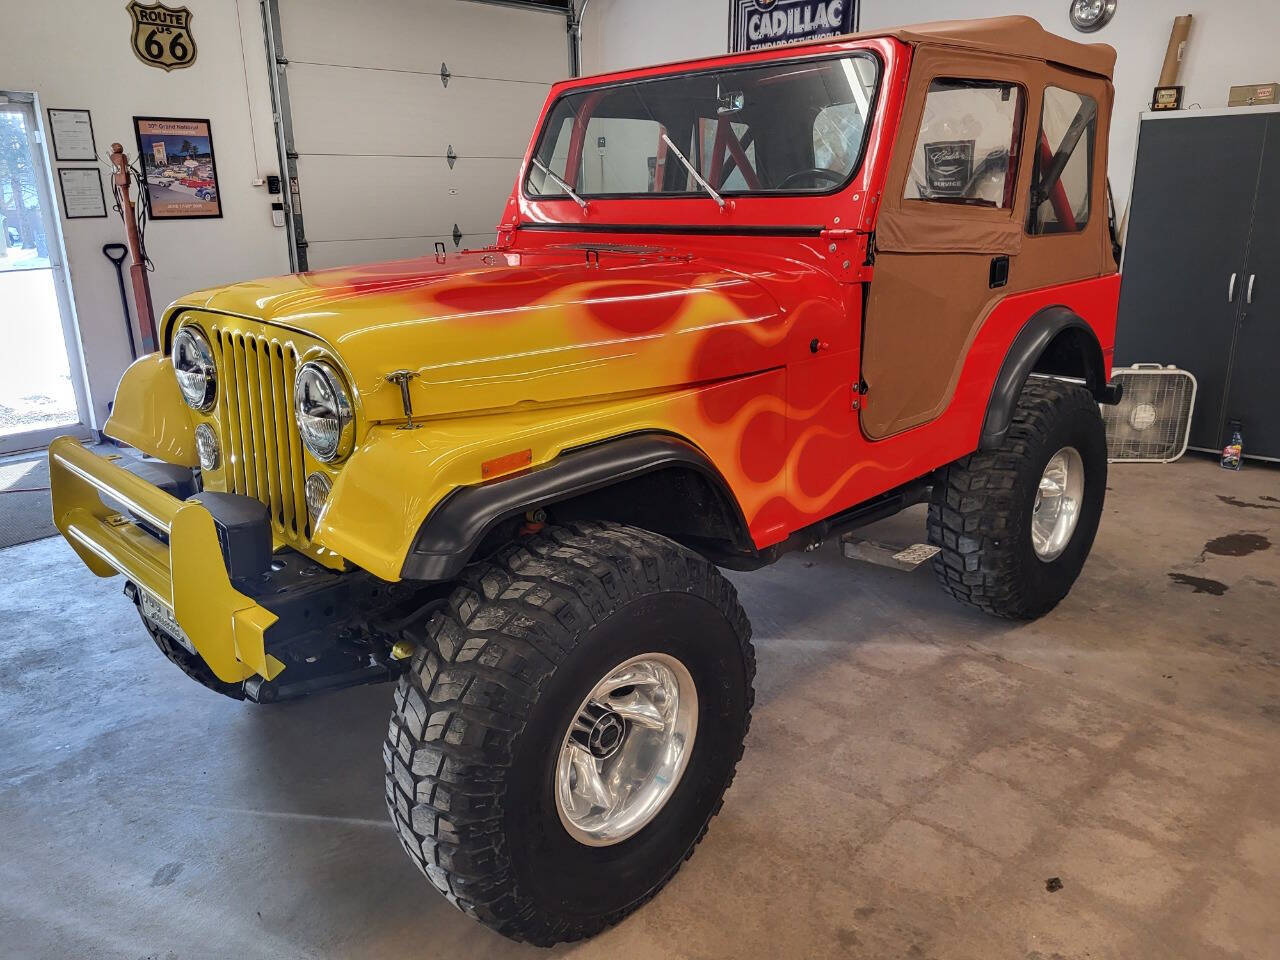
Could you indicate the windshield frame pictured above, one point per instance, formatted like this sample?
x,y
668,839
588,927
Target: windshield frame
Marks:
x,y
873,103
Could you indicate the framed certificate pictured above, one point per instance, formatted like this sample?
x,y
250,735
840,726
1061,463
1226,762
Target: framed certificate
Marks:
x,y
72,135
82,194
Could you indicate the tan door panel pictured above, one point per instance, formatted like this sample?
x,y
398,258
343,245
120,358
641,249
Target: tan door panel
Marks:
x,y
926,311
931,289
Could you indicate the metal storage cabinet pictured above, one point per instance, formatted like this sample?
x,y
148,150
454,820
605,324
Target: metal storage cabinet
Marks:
x,y
1201,284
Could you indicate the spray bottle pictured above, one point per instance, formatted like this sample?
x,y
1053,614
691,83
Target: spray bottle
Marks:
x,y
1233,452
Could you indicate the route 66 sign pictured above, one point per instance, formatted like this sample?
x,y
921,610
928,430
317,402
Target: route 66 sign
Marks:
x,y
162,35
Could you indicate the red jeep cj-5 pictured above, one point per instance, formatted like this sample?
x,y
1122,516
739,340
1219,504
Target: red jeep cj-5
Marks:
x,y
923,215
735,306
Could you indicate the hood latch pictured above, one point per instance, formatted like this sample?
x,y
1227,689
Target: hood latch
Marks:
x,y
402,377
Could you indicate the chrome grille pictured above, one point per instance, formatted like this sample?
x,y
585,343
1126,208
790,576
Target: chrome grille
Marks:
x,y
263,450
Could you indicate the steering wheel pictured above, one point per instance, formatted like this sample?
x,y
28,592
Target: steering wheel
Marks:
x,y
825,173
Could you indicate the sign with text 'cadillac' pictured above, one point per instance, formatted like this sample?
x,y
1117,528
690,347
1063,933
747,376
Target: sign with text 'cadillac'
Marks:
x,y
756,24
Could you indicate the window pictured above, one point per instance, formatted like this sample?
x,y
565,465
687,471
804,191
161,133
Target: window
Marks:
x,y
967,150
1063,168
797,126
837,135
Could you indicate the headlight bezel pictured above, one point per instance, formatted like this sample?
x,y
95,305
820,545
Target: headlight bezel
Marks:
x,y
342,410
202,349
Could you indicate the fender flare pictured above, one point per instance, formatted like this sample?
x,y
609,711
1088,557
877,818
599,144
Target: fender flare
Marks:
x,y
1024,353
454,529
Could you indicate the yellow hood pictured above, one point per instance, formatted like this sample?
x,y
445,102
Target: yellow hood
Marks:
x,y
492,330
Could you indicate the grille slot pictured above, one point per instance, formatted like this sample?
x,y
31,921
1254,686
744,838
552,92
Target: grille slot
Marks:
x,y
263,450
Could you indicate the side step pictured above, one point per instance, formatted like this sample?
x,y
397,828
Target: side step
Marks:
x,y
887,555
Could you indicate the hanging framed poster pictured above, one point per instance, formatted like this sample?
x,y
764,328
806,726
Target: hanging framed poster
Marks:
x,y
179,168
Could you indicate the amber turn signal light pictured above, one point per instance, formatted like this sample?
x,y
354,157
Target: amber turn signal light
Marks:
x,y
506,464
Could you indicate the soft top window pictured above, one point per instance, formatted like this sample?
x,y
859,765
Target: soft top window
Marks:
x,y
783,127
967,149
1060,182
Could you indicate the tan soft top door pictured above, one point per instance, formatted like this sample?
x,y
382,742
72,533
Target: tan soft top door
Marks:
x,y
936,245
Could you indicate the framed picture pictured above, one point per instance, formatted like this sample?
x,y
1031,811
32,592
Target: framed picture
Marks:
x,y
1167,98
178,165
72,135
82,194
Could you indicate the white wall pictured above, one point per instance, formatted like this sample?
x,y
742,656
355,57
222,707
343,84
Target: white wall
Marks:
x,y
1232,42
76,54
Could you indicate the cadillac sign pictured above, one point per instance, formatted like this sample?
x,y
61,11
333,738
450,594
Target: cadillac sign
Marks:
x,y
756,24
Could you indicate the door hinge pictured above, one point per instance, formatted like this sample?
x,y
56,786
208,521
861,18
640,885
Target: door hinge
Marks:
x,y
849,256
859,390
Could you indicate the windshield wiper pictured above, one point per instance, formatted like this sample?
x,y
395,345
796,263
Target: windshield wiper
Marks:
x,y
693,172
559,183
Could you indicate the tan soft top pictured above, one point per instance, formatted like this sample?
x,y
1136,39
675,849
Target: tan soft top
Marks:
x,y
1006,36
1011,36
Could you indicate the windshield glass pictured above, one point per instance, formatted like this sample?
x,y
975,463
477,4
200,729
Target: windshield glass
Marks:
x,y
790,127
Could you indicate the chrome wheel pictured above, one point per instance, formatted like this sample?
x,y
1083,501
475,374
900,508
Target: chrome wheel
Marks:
x,y
626,749
1059,499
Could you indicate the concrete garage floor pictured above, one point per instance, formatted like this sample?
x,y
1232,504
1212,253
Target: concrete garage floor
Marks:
x,y
915,772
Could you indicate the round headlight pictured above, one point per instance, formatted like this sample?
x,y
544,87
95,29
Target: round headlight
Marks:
x,y
323,411
317,490
193,364
207,447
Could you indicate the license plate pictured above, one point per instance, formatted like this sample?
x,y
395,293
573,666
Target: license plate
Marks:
x,y
161,617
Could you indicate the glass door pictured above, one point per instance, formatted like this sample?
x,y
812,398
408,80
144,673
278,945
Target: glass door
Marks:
x,y
41,388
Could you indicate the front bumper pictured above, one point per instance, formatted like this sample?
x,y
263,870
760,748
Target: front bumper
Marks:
x,y
185,570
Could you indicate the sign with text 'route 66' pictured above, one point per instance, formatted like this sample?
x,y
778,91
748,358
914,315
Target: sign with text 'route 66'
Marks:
x,y
162,35
756,24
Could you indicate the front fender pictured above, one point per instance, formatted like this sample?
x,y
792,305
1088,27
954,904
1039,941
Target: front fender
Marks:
x,y
397,477
150,414
452,532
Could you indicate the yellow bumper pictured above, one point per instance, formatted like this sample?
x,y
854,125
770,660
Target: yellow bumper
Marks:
x,y
188,574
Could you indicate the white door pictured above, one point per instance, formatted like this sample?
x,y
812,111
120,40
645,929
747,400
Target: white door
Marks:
x,y
374,121
41,389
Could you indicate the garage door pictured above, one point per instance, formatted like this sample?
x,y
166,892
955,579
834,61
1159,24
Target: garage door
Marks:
x,y
393,156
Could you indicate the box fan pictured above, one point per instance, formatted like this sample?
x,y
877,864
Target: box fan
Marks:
x,y
1152,421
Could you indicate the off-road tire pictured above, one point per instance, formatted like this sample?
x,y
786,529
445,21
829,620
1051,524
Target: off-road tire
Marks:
x,y
981,506
481,714
191,665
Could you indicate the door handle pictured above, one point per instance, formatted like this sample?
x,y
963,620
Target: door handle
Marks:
x,y
999,273
1248,291
1231,289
